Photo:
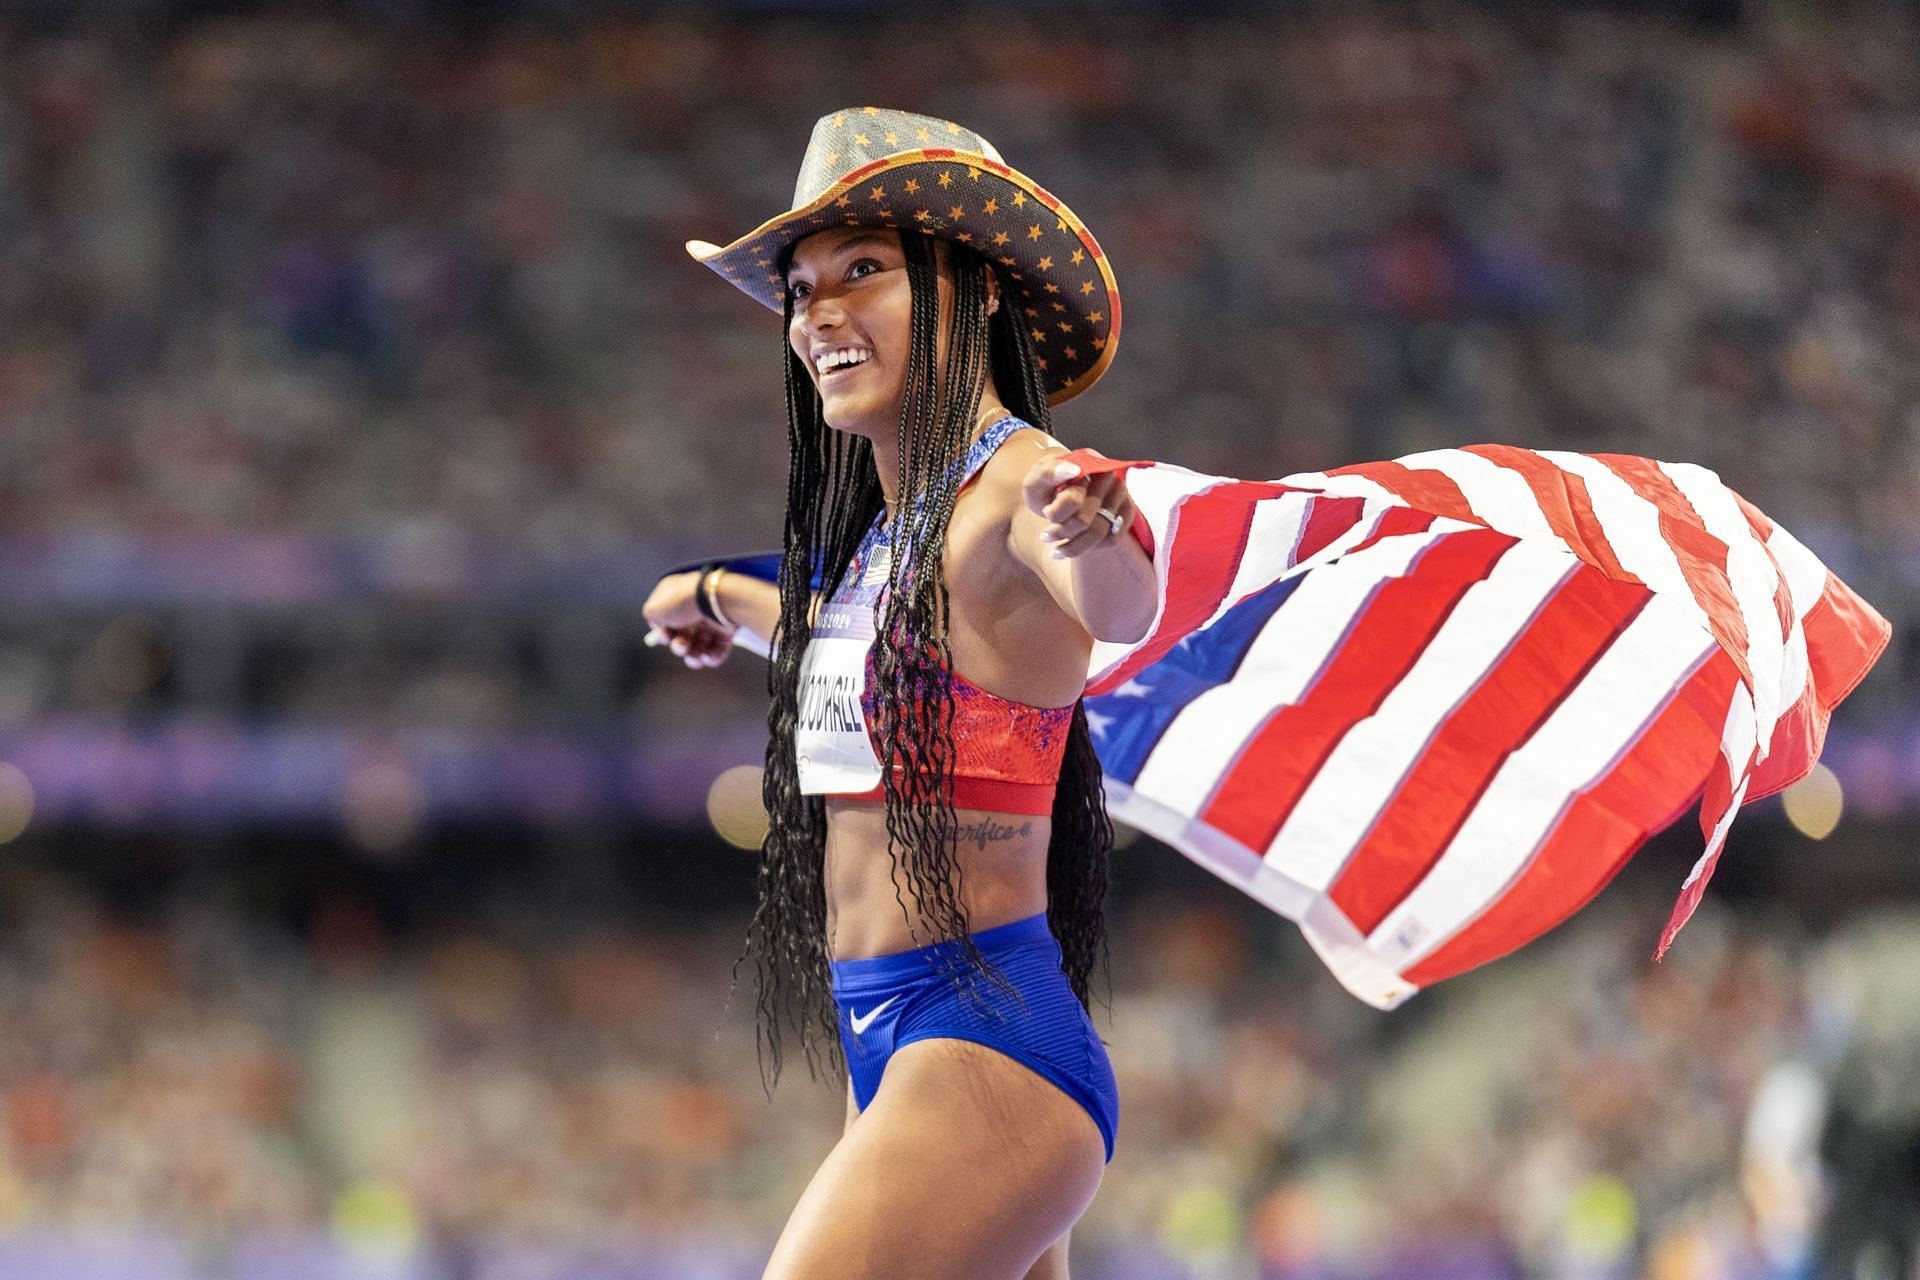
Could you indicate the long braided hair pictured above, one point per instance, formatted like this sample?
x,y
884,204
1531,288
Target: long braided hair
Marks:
x,y
833,497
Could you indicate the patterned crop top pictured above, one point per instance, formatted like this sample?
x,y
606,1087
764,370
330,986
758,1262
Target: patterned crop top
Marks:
x,y
1006,754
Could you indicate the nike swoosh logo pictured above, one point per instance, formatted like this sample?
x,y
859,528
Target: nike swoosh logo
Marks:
x,y
861,1024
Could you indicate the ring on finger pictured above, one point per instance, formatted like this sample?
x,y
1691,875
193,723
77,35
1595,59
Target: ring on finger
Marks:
x,y
1113,521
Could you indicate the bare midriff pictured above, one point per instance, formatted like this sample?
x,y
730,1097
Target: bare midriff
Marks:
x,y
1002,858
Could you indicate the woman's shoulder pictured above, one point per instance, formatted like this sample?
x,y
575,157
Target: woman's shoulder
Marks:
x,y
1005,471
1024,445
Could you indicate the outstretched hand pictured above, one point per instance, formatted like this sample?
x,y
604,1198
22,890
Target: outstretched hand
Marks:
x,y
1070,501
677,622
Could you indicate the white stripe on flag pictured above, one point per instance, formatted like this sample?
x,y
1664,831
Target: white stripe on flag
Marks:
x,y
1632,528
1271,538
1205,738
1578,745
1499,495
1364,771
1806,579
1806,575
1737,740
1753,577
1331,934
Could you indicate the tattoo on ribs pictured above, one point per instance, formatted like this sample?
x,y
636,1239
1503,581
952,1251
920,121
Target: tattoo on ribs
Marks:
x,y
986,831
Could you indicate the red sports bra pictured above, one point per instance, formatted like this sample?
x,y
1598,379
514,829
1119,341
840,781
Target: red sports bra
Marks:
x,y
1006,754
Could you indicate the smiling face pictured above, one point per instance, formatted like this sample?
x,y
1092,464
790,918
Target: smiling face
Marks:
x,y
852,304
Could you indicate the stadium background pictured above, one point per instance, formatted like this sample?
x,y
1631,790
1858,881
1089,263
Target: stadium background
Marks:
x,y
369,893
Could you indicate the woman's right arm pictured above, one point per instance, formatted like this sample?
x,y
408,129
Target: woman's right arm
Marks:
x,y
743,600
750,602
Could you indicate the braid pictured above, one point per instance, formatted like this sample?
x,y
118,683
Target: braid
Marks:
x,y
914,696
1082,836
833,496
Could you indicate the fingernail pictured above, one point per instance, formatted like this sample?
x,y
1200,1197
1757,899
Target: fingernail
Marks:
x,y
680,648
1065,471
656,638
1059,554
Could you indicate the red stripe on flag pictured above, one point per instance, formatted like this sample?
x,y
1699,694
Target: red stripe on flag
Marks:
x,y
1650,786
1432,491
1563,499
1795,745
1327,519
1715,800
1845,637
1762,530
1762,526
1389,634
1203,555
1702,557
1524,687
1394,522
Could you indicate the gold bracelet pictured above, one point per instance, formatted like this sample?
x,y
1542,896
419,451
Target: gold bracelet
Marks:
x,y
710,587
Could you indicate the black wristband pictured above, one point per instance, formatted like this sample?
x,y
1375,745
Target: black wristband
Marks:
x,y
701,600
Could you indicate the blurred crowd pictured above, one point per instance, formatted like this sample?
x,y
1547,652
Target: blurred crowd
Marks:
x,y
1575,1112
292,275
307,309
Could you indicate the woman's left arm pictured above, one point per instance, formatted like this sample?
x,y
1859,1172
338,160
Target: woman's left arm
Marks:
x,y
1100,575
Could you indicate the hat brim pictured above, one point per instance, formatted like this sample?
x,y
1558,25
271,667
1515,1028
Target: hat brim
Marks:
x,y
1065,282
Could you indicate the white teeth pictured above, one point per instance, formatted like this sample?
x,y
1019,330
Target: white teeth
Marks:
x,y
841,359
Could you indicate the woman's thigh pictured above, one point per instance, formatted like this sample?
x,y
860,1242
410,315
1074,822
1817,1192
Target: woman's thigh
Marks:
x,y
965,1165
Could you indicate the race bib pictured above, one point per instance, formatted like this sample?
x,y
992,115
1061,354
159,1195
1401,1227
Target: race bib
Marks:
x,y
830,738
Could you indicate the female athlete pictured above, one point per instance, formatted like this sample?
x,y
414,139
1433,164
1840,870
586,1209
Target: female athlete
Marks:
x,y
943,580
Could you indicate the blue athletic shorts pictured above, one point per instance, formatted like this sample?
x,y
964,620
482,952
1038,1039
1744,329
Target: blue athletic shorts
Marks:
x,y
888,1002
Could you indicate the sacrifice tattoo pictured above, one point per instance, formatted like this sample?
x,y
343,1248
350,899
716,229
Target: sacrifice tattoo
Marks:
x,y
980,834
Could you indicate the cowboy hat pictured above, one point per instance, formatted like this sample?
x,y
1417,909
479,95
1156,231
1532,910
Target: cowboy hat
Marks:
x,y
870,166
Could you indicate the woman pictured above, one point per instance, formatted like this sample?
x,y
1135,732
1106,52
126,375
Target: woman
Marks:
x,y
943,916
1425,708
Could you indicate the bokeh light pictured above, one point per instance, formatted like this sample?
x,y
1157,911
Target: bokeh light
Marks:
x,y
377,1218
16,802
1601,1219
1814,803
735,808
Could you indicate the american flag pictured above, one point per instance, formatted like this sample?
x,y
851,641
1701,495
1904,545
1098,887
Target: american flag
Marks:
x,y
1427,708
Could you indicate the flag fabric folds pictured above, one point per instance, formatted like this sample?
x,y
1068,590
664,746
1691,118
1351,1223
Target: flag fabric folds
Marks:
x,y
1427,708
